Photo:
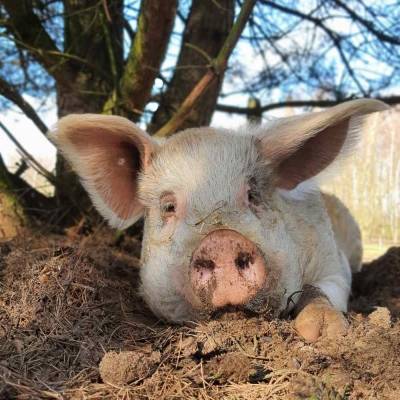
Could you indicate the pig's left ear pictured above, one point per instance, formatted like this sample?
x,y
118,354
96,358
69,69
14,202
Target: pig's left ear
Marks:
x,y
302,147
108,153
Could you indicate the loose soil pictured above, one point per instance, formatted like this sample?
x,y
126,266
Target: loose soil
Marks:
x,y
72,326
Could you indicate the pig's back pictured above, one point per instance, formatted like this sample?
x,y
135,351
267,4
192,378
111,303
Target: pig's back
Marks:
x,y
346,230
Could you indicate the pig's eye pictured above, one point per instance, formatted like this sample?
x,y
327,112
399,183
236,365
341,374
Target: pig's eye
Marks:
x,y
168,208
167,205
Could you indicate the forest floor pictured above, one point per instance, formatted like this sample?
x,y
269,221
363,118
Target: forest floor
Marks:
x,y
72,326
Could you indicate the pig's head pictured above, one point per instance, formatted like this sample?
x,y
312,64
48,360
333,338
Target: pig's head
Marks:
x,y
215,232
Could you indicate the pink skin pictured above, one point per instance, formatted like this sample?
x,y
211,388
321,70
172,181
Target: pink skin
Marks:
x,y
243,196
226,269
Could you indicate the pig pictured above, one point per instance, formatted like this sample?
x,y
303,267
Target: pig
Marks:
x,y
233,220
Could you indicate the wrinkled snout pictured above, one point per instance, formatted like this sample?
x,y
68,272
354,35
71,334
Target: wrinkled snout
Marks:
x,y
226,269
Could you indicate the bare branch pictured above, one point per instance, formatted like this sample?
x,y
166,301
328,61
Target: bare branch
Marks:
x,y
219,65
392,100
205,40
29,31
368,25
131,33
35,164
12,94
34,203
332,35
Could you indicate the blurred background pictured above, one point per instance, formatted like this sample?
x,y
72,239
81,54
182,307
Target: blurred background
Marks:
x,y
142,59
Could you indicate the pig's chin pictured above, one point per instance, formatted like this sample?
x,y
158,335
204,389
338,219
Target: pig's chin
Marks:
x,y
170,308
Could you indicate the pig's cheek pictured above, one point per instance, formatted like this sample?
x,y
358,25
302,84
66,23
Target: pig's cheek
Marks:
x,y
171,223
183,288
257,210
167,230
179,275
242,196
169,227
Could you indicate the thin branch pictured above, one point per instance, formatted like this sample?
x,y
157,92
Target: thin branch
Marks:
x,y
35,164
107,11
109,44
131,33
12,94
392,100
368,24
200,51
28,29
32,201
218,66
332,35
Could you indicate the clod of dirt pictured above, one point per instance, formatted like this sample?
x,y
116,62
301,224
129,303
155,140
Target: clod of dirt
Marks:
x,y
234,367
125,367
380,317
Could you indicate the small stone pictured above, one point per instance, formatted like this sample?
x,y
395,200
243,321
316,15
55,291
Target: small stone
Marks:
x,y
234,367
188,346
43,279
125,367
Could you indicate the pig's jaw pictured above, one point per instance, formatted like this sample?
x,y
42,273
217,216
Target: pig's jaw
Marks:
x,y
168,306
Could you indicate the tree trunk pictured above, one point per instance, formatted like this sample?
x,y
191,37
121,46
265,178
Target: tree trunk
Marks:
x,y
209,23
93,32
12,216
154,27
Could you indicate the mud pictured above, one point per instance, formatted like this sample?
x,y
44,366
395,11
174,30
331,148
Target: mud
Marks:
x,y
72,326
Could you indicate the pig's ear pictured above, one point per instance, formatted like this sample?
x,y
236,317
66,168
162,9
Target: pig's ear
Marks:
x,y
108,153
303,147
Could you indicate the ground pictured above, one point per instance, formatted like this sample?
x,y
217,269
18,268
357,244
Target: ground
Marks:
x,y
72,326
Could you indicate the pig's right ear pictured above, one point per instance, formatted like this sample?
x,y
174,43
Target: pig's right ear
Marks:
x,y
108,153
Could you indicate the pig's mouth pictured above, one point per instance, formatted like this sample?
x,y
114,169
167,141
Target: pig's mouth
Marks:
x,y
238,312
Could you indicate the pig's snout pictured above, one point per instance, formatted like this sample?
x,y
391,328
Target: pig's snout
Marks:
x,y
226,269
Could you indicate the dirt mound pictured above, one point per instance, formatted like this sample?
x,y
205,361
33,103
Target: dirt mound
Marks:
x,y
72,326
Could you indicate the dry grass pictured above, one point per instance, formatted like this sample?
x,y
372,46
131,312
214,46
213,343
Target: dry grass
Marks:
x,y
65,302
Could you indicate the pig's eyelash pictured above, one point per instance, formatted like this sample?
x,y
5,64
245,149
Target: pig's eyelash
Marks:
x,y
167,205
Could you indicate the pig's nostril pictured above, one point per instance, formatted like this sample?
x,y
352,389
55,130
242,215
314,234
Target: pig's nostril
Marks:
x,y
204,264
243,260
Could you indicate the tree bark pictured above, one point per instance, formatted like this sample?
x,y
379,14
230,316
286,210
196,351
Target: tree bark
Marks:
x,y
12,215
155,22
208,25
93,32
